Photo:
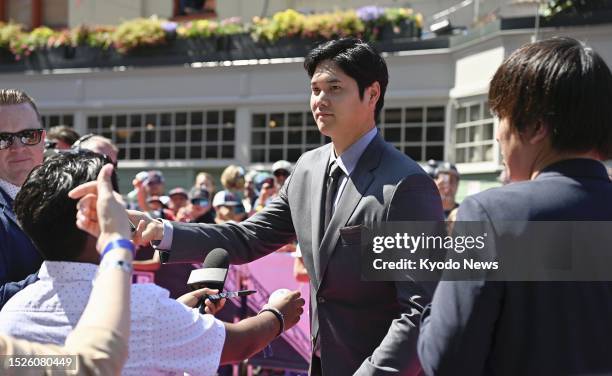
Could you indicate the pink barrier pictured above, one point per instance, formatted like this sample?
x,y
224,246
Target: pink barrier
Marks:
x,y
268,274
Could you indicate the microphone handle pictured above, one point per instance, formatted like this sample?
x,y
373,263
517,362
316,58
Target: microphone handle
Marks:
x,y
201,306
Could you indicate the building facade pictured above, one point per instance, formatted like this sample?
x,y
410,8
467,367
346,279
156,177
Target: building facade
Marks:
x,y
203,117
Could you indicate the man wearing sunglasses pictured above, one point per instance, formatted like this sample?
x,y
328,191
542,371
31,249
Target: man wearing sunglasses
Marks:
x,y
21,149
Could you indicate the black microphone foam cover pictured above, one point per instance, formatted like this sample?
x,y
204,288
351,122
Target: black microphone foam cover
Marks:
x,y
213,272
217,258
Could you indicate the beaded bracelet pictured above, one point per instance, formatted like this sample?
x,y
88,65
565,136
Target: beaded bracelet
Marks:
x,y
279,316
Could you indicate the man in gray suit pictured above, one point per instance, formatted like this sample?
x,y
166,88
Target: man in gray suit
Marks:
x,y
334,191
553,101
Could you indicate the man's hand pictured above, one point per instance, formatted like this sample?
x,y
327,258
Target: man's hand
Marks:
x,y
101,211
290,306
148,229
191,300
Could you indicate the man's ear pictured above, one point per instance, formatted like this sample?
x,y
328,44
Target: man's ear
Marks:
x,y
538,133
373,93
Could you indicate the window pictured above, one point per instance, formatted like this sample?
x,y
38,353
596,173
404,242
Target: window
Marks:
x,y
51,120
283,135
474,133
416,131
169,135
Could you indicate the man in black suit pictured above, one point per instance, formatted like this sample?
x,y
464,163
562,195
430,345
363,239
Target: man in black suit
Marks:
x,y
21,149
334,191
553,101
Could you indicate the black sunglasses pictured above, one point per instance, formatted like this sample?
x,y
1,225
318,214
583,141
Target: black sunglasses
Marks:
x,y
199,202
29,137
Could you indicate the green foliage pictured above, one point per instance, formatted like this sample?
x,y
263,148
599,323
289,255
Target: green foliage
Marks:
x,y
209,28
395,16
100,37
140,32
10,32
287,23
23,43
197,29
148,32
333,25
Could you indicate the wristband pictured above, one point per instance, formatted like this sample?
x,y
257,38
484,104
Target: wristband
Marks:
x,y
279,316
122,265
118,243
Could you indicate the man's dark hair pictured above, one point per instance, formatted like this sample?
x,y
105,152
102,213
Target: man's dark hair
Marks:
x,y
46,213
357,59
561,84
63,133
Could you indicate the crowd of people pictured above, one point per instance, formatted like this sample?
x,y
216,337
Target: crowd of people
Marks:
x,y
241,194
68,239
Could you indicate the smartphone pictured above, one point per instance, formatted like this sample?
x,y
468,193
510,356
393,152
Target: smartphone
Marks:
x,y
230,294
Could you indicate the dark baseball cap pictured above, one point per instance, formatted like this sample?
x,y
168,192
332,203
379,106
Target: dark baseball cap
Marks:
x,y
178,191
200,197
155,177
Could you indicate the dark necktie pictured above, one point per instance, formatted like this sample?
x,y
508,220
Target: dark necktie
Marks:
x,y
333,178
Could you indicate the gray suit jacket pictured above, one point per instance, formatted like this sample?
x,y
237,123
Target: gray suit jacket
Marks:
x,y
364,327
526,328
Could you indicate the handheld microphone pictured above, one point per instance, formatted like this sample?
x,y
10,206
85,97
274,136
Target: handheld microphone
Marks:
x,y
212,274
230,294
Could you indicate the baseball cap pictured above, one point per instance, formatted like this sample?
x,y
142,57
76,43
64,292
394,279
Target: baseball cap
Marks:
x,y
260,179
178,191
200,197
142,176
281,165
155,177
250,175
225,198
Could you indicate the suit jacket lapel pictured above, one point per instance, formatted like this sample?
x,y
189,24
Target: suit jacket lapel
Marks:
x,y
356,186
6,206
316,203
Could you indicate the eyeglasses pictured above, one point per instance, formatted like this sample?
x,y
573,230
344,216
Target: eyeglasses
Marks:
x,y
29,137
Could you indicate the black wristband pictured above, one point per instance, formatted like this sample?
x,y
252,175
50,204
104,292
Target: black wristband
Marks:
x,y
279,316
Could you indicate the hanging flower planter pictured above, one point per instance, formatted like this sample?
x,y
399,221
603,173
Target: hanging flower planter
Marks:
x,y
154,42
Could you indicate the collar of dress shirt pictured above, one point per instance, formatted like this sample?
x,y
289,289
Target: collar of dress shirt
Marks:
x,y
65,271
348,160
10,188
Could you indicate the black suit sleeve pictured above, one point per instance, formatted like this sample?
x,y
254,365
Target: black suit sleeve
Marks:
x,y
416,198
458,327
263,233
